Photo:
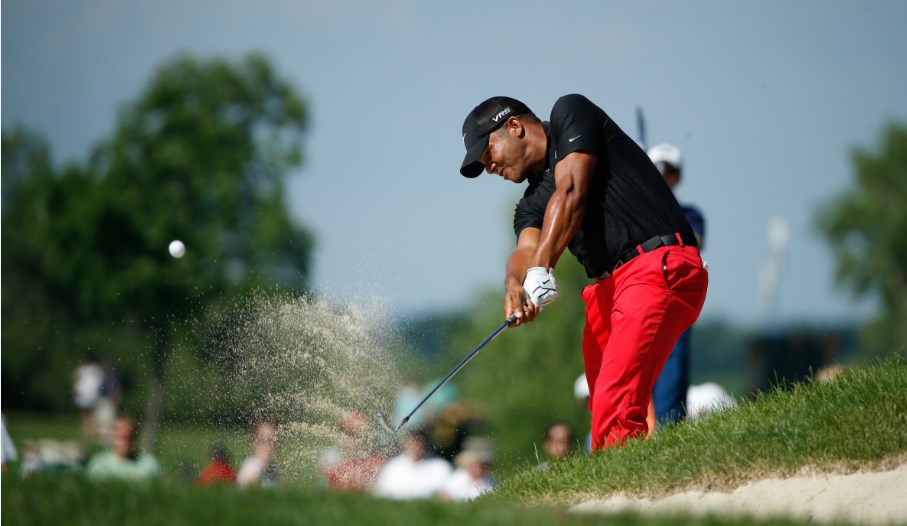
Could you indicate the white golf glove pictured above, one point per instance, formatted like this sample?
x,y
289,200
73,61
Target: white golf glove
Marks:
x,y
540,286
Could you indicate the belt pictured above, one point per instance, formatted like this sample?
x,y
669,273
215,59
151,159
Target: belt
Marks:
x,y
666,240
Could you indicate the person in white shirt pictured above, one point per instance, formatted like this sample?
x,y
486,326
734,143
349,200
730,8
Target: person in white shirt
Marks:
x,y
471,479
706,398
86,390
413,474
259,468
10,454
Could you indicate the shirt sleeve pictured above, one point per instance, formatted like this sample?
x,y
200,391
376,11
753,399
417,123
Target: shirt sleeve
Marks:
x,y
576,124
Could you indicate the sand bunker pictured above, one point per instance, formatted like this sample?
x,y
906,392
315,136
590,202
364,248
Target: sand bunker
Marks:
x,y
865,498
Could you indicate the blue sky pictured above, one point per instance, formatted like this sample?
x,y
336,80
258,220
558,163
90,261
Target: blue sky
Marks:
x,y
766,100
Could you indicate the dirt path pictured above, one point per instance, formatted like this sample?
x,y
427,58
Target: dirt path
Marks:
x,y
864,498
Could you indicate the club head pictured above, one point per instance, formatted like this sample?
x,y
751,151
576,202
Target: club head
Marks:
x,y
385,423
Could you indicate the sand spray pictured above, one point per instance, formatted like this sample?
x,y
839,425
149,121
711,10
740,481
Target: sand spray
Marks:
x,y
320,370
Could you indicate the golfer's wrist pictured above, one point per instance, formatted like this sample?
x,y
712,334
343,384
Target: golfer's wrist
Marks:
x,y
544,263
513,281
539,269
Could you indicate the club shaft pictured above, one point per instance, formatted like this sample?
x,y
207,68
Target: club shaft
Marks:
x,y
459,366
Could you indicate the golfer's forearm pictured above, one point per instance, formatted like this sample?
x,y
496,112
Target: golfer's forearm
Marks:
x,y
517,264
566,208
563,218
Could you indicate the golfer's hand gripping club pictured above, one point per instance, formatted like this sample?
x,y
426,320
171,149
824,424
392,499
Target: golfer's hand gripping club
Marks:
x,y
541,289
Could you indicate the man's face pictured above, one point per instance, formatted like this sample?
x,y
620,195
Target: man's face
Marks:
x,y
414,446
121,438
505,155
265,438
558,443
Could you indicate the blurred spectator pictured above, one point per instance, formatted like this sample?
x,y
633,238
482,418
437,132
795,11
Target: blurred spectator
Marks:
x,y
123,460
471,478
411,394
450,427
829,373
413,474
9,455
259,469
707,398
354,466
51,455
188,471
219,470
407,397
110,394
581,392
559,441
443,397
86,389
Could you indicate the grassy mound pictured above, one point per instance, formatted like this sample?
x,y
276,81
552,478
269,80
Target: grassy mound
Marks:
x,y
858,421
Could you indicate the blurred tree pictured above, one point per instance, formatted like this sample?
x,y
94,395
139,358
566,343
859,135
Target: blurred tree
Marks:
x,y
866,227
35,313
201,156
45,325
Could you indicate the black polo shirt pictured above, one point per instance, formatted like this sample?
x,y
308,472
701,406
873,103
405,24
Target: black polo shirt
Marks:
x,y
628,200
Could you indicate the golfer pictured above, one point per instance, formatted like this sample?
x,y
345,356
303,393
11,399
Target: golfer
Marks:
x,y
593,190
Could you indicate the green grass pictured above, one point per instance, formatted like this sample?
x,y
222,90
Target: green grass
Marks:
x,y
28,426
71,500
857,422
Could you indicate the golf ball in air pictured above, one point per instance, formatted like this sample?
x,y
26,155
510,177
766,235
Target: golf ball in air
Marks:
x,y
177,248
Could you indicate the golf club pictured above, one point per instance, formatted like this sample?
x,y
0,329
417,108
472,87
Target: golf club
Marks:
x,y
382,418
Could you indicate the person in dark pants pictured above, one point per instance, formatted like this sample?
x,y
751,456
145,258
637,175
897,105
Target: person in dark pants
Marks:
x,y
669,396
593,190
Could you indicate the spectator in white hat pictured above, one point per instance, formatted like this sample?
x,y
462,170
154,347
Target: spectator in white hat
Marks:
x,y
471,478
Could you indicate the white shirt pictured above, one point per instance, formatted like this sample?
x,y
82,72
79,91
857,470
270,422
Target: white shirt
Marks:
x,y
402,478
254,472
87,388
9,449
462,486
707,398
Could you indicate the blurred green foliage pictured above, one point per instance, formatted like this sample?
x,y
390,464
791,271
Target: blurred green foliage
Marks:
x,y
202,155
52,499
866,227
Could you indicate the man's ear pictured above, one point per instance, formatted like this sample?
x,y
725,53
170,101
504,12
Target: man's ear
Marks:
x,y
515,127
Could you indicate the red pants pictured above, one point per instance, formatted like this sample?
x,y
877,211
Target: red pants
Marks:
x,y
633,319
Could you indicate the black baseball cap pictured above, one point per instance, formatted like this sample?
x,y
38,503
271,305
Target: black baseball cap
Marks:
x,y
481,121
